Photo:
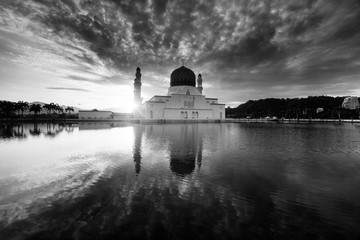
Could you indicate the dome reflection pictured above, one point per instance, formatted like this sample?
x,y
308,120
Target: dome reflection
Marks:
x,y
184,146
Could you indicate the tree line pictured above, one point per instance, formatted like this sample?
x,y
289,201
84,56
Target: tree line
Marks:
x,y
10,109
310,107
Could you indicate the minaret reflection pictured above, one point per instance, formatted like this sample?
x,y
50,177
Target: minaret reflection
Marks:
x,y
199,150
185,149
138,134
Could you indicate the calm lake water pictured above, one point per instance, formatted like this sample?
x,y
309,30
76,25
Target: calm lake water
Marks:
x,y
180,181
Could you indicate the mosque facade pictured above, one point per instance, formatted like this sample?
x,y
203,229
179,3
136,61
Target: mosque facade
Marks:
x,y
184,100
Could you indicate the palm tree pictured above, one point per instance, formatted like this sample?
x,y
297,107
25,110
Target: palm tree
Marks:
x,y
7,108
69,109
2,108
59,109
17,107
26,106
36,108
53,107
21,106
48,108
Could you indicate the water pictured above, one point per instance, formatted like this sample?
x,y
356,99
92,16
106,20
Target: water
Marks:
x,y
178,181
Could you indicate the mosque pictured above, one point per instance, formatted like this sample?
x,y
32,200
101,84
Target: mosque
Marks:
x,y
184,100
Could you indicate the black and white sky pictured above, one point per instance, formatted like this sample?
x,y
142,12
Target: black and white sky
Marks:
x,y
84,52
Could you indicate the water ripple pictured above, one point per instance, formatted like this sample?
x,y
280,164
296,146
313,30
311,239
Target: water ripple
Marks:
x,y
222,181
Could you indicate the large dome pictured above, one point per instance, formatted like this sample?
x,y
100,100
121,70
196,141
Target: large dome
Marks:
x,y
182,76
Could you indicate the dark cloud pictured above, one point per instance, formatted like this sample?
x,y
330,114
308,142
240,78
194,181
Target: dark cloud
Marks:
x,y
68,89
251,42
346,20
160,8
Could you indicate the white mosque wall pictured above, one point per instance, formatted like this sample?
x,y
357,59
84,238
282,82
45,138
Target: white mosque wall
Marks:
x,y
187,101
200,102
190,90
182,101
154,110
184,107
164,99
176,113
210,101
172,114
205,114
157,110
218,111
158,98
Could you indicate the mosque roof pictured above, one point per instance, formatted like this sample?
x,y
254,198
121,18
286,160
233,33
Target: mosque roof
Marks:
x,y
182,76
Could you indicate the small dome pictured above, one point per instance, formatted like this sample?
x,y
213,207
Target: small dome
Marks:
x,y
182,76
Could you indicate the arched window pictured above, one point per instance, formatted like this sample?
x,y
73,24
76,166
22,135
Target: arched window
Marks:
x,y
182,114
193,115
151,114
220,115
186,115
197,115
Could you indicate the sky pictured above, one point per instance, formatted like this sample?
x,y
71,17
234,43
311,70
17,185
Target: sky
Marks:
x,y
84,53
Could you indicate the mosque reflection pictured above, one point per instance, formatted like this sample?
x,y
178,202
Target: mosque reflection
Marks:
x,y
185,143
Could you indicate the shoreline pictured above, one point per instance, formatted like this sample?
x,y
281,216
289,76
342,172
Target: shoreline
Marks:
x,y
300,120
168,121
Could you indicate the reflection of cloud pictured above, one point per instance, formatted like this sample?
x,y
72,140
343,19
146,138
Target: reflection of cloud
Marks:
x,y
94,191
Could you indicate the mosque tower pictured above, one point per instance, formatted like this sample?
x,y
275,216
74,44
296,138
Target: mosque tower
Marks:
x,y
137,87
199,83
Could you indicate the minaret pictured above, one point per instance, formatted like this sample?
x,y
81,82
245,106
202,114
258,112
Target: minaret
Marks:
x,y
137,88
199,83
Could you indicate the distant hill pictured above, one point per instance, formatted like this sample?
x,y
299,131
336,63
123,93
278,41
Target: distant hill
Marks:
x,y
317,106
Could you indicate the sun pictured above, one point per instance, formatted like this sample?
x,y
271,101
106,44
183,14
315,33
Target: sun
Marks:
x,y
133,106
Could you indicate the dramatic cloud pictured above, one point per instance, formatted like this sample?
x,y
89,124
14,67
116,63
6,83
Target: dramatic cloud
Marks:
x,y
71,89
245,49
